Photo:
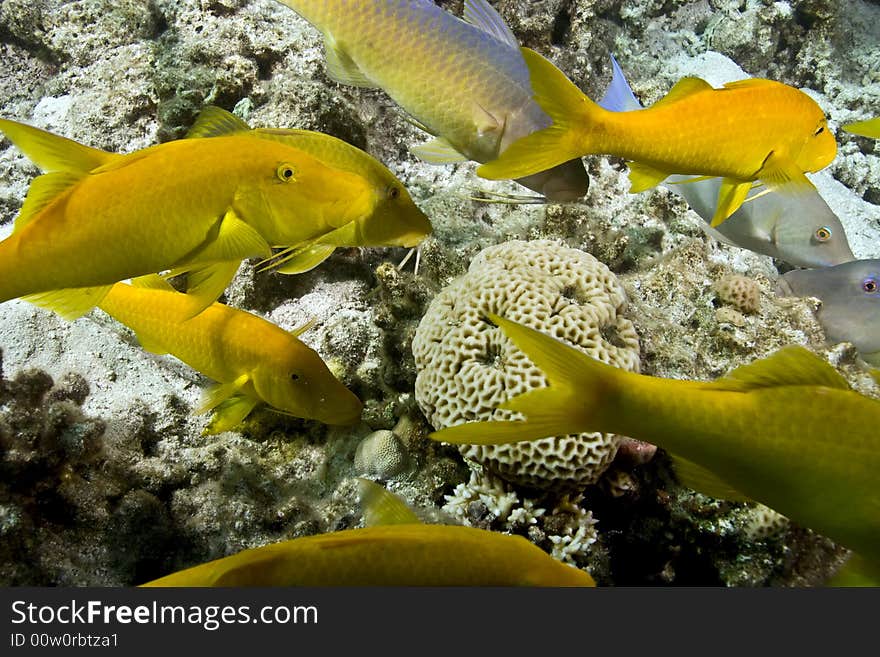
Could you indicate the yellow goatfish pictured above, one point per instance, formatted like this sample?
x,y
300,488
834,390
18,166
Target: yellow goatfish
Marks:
x,y
200,203
786,431
869,128
253,360
398,552
747,131
463,81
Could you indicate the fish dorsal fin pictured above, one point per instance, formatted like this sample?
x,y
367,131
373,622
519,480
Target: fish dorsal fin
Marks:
x,y
790,366
381,507
682,89
43,191
53,152
70,303
152,282
749,82
482,15
342,68
437,151
619,96
705,481
215,121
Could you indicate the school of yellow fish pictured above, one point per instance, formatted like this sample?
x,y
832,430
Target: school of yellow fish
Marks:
x,y
200,206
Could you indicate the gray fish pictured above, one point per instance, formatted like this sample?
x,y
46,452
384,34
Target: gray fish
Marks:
x,y
800,229
850,295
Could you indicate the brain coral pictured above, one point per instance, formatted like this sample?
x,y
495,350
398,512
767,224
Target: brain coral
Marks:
x,y
467,366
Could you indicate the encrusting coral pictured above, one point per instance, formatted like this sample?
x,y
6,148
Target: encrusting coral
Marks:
x,y
466,366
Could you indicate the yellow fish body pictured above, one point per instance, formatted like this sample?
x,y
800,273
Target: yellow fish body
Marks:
x,y
400,552
869,128
464,81
744,132
253,360
97,218
786,431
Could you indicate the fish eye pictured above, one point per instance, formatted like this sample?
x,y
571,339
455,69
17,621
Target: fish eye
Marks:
x,y
819,131
823,233
870,285
393,192
294,376
286,173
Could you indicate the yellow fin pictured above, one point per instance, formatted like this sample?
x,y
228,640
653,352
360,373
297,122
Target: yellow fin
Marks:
x,y
705,481
55,153
875,374
382,507
790,366
299,330
437,151
682,89
572,403
566,105
342,68
215,121
229,414
869,128
235,239
731,196
70,303
152,282
781,174
43,190
219,393
748,82
643,176
208,282
305,258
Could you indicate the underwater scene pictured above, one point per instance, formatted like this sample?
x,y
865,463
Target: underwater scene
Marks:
x,y
543,293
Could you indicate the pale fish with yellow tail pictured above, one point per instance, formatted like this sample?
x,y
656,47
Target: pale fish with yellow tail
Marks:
x,y
786,431
253,360
869,128
201,204
747,131
464,81
394,549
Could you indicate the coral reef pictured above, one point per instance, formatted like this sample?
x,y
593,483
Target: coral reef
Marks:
x,y
466,366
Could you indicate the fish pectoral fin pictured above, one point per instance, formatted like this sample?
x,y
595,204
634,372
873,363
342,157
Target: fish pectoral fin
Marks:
x,y
437,151
781,174
298,260
483,16
53,152
230,239
229,414
152,282
486,122
643,176
70,303
682,89
341,67
219,393
705,481
382,507
731,196
790,366
215,121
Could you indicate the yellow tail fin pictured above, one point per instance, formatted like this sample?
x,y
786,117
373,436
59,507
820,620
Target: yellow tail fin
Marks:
x,y
566,105
572,403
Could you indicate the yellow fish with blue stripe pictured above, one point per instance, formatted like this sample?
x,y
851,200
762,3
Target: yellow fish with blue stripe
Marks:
x,y
786,431
97,218
747,131
395,549
253,360
463,81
